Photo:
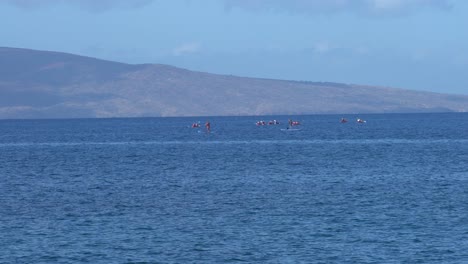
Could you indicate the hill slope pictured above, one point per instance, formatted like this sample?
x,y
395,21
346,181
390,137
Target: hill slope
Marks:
x,y
42,84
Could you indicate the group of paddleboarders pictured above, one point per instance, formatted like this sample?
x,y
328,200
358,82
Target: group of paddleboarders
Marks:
x,y
359,120
271,122
207,126
291,123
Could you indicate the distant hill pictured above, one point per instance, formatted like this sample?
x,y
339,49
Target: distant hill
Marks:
x,y
43,84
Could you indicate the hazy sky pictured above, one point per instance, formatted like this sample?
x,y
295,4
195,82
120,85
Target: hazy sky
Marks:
x,y
414,44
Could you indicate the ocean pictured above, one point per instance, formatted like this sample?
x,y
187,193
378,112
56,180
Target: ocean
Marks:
x,y
155,190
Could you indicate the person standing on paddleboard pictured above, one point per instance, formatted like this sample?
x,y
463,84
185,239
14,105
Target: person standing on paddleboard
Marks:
x,y
208,126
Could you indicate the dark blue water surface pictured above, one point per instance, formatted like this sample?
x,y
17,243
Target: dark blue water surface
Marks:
x,y
154,190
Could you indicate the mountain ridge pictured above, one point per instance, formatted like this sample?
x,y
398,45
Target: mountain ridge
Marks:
x,y
48,84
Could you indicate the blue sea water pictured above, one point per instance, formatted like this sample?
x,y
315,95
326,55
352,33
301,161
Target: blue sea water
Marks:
x,y
154,190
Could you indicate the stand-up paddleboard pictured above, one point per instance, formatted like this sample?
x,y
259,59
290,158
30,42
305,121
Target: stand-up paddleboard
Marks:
x,y
206,132
291,129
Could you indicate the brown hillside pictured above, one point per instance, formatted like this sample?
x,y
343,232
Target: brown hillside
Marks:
x,y
41,84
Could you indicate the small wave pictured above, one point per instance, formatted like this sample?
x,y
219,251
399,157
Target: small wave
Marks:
x,y
238,142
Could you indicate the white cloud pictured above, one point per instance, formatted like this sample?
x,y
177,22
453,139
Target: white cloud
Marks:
x,y
330,6
387,4
187,48
93,5
292,6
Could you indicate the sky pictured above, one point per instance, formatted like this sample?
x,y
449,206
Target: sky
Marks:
x,y
410,44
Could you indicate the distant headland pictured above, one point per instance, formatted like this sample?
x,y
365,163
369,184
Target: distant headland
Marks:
x,y
45,84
